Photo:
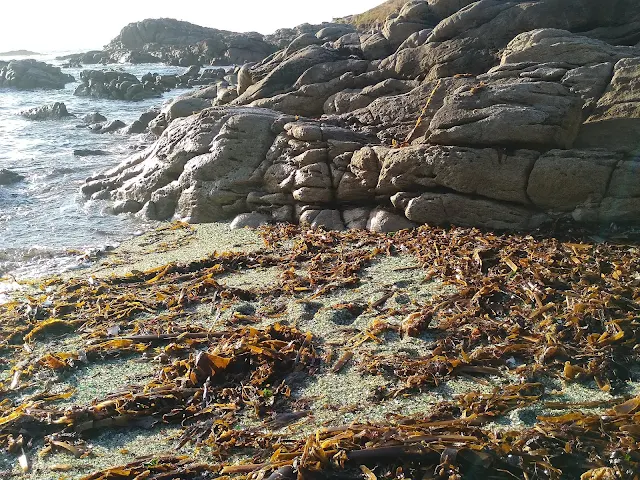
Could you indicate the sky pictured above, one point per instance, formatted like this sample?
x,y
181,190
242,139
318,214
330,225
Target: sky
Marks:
x,y
49,26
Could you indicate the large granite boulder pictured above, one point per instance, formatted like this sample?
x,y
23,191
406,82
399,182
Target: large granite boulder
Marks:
x,y
445,8
528,114
30,74
286,73
561,46
414,16
200,169
9,177
469,40
118,85
615,121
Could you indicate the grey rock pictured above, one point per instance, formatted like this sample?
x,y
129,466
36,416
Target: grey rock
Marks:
x,y
226,95
55,111
112,126
435,60
9,177
286,73
416,39
485,172
562,180
94,117
350,100
307,132
445,8
375,46
184,107
547,44
356,218
334,32
125,206
244,78
141,125
301,42
384,221
396,31
329,220
30,74
199,170
309,100
209,92
182,43
327,71
589,82
250,220
530,114
394,117
615,121
85,152
456,209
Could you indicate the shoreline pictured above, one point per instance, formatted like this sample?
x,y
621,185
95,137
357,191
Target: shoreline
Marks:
x,y
445,283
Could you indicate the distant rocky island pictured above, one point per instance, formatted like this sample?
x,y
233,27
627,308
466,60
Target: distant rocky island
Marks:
x,y
21,53
175,42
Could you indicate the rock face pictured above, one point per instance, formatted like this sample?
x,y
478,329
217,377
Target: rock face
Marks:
x,y
31,74
529,114
55,111
495,114
181,43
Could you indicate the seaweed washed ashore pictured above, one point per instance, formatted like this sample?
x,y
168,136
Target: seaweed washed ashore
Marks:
x,y
433,353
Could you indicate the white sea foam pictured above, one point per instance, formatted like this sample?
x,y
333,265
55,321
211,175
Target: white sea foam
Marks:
x,y
44,216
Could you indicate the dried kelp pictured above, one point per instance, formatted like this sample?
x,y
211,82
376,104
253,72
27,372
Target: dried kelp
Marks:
x,y
524,308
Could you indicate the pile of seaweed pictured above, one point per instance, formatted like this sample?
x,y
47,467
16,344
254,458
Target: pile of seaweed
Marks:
x,y
525,307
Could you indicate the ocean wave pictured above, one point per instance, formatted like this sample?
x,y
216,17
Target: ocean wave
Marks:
x,y
40,261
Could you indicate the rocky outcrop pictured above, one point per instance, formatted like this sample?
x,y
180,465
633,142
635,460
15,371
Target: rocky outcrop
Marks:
x,y
9,177
181,43
117,85
495,114
615,121
528,114
31,74
55,111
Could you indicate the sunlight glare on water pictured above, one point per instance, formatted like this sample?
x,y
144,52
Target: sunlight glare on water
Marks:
x,y
45,224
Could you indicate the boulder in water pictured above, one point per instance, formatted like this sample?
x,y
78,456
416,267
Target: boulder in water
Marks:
x,y
95,117
55,111
85,152
30,75
112,126
9,177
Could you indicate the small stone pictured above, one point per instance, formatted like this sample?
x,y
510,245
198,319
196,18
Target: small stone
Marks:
x,y
244,308
342,317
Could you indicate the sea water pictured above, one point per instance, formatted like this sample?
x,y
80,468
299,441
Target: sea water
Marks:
x,y
46,226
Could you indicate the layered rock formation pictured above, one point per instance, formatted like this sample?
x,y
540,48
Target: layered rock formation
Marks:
x,y
30,74
498,114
